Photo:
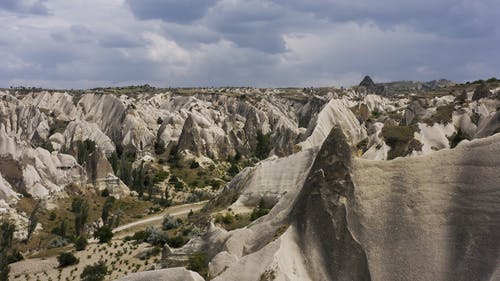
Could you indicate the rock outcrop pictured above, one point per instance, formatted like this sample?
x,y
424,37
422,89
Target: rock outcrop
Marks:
x,y
356,219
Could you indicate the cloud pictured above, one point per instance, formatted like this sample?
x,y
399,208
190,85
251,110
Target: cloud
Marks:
x,y
25,6
89,43
184,11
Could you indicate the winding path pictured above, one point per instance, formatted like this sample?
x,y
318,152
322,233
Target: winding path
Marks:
x,y
173,211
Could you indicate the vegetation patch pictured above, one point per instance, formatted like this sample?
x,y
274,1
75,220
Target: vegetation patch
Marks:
x,y
399,139
443,115
199,262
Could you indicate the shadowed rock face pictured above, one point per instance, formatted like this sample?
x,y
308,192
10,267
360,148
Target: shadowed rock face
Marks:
x,y
430,218
330,251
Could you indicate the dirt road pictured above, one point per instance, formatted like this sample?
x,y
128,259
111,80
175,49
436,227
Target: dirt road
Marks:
x,y
173,211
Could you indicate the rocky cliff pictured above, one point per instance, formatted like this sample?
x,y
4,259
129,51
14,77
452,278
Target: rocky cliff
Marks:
x,y
359,186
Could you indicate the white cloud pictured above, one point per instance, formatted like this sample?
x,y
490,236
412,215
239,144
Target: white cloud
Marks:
x,y
162,50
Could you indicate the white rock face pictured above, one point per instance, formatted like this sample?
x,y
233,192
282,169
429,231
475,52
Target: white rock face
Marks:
x,y
434,137
336,112
82,130
61,104
271,179
170,274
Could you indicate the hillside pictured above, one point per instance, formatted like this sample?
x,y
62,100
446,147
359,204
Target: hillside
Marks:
x,y
300,184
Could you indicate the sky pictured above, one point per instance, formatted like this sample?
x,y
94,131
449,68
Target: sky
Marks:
x,y
260,43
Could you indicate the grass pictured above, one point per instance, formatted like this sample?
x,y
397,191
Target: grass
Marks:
x,y
231,222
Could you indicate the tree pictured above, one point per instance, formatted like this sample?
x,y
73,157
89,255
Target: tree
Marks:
x,y
66,259
113,160
33,221
7,230
95,272
125,171
61,229
138,180
6,238
159,147
80,207
263,145
84,149
106,208
104,234
4,266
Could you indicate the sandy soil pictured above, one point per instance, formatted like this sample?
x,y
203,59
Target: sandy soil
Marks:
x,y
120,257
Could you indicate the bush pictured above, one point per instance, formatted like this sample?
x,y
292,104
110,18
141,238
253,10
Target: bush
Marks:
x,y
177,241
52,215
104,234
140,236
155,236
233,170
81,243
15,256
260,211
169,222
194,165
227,218
159,147
95,272
160,176
66,259
198,262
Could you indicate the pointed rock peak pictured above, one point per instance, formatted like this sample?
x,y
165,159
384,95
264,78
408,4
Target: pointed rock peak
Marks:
x,y
367,82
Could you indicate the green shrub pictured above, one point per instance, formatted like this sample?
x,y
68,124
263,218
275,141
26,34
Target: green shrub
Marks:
x,y
160,176
169,222
258,212
95,272
104,234
66,259
81,243
198,262
233,170
15,256
155,236
177,241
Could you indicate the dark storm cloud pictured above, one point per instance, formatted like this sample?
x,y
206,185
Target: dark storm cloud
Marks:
x,y
25,7
448,17
184,11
